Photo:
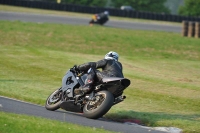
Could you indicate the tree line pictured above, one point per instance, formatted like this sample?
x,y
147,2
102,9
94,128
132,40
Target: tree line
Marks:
x,y
190,7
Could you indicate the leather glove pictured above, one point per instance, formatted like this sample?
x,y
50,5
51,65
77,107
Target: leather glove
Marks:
x,y
76,68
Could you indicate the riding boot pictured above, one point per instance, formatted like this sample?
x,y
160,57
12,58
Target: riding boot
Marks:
x,y
83,90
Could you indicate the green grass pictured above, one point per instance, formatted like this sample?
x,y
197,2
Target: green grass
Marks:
x,y
163,68
12,123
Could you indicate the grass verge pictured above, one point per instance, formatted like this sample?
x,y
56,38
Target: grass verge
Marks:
x,y
13,123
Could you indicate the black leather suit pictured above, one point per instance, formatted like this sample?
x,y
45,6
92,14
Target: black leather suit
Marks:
x,y
103,16
110,68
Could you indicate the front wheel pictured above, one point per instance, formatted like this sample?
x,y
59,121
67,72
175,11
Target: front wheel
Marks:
x,y
53,101
100,106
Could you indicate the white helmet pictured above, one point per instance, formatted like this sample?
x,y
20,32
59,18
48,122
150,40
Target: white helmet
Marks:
x,y
112,56
106,12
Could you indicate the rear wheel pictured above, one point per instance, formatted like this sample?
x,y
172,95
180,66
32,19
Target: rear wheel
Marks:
x,y
53,101
100,106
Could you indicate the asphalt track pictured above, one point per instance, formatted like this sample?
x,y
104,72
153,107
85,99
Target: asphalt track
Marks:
x,y
45,18
20,107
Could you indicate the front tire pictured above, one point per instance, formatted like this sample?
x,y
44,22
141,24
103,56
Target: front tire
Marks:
x,y
53,101
100,106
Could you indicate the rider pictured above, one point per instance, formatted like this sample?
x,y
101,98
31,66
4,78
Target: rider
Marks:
x,y
103,16
110,65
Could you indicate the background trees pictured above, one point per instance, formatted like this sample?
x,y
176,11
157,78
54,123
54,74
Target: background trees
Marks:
x,y
98,3
139,5
143,5
190,8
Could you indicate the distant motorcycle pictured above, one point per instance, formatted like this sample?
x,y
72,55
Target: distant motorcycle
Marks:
x,y
100,19
93,105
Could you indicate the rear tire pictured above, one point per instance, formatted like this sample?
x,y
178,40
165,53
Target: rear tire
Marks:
x,y
53,101
99,107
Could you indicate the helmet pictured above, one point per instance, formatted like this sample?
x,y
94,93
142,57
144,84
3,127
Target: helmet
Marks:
x,y
106,12
112,56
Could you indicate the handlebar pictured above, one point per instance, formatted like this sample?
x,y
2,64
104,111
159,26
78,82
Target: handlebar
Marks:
x,y
75,70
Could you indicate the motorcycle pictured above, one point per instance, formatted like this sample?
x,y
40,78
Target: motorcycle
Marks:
x,y
96,19
95,104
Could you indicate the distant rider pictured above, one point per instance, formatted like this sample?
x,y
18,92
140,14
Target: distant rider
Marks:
x,y
101,17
